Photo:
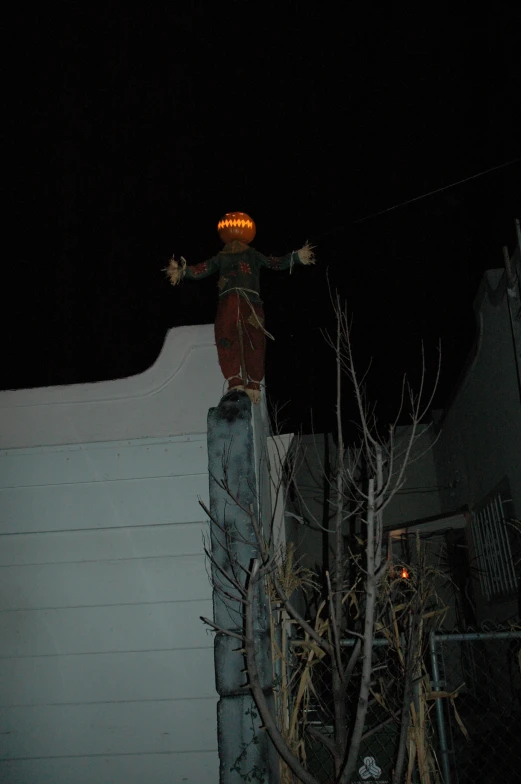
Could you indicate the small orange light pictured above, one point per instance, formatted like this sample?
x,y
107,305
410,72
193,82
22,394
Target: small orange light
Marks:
x,y
404,574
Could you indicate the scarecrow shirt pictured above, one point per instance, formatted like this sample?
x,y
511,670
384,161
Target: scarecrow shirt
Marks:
x,y
239,267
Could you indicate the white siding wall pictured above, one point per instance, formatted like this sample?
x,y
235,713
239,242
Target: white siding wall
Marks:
x,y
106,671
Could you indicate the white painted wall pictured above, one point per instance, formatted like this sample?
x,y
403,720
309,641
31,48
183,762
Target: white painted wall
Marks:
x,y
419,495
172,397
106,671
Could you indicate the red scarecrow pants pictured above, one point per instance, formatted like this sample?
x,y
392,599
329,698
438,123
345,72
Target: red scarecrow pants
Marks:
x,y
240,339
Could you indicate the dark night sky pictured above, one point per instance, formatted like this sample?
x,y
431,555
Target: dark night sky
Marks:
x,y
134,131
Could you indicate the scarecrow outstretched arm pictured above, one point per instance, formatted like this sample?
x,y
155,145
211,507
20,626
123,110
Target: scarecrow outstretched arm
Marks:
x,y
303,256
177,271
202,270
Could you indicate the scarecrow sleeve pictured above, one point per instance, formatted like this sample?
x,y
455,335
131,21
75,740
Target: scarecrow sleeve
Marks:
x,y
202,270
176,271
303,256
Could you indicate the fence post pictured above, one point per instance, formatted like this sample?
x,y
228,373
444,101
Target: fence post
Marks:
x,y
444,751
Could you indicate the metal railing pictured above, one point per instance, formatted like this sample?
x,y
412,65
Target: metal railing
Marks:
x,y
496,566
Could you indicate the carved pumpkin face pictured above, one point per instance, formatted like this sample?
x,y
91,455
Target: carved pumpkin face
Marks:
x,y
236,226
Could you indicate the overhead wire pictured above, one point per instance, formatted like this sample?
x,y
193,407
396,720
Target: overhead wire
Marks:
x,y
424,195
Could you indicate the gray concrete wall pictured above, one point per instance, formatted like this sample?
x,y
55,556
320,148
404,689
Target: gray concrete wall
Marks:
x,y
237,443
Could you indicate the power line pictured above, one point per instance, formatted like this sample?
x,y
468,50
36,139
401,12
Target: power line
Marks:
x,y
425,195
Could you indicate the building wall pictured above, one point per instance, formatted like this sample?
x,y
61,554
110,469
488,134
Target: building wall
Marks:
x,y
107,672
480,440
479,446
418,496
306,520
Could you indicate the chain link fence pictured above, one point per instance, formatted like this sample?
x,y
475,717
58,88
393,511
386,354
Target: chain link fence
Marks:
x,y
381,733
475,728
478,737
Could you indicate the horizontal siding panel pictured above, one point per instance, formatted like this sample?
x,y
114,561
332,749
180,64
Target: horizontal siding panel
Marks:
x,y
106,670
103,544
200,767
104,583
109,728
108,677
103,504
103,462
105,629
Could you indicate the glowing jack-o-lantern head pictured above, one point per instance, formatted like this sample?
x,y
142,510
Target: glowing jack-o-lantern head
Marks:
x,y
236,226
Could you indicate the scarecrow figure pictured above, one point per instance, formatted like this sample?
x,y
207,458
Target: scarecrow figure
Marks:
x,y
240,334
